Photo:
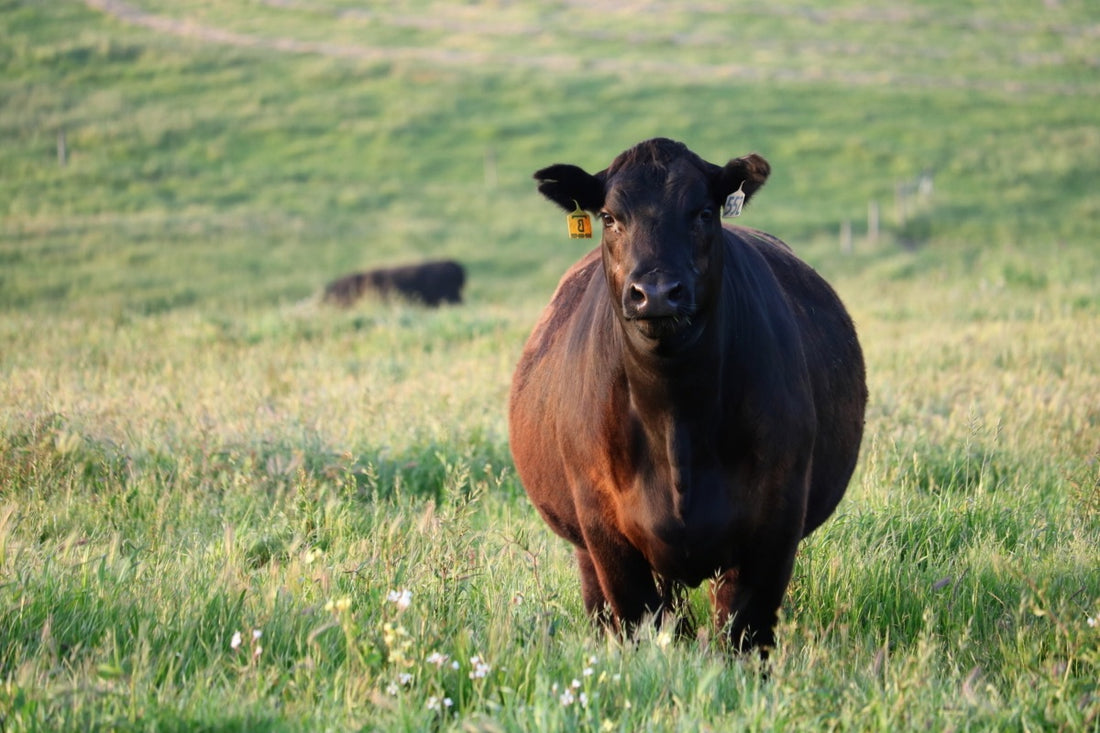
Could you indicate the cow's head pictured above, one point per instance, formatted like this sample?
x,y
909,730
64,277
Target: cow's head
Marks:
x,y
659,206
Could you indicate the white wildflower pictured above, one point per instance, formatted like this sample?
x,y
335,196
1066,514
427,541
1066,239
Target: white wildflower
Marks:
x,y
480,668
401,598
235,642
437,659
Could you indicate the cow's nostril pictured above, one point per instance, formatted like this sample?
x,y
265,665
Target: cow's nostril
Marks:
x,y
637,295
675,293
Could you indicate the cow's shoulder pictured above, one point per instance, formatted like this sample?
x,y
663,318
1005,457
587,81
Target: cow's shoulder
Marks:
x,y
767,245
570,295
755,250
576,308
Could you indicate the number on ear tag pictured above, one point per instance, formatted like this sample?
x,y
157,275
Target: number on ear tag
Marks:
x,y
580,225
734,202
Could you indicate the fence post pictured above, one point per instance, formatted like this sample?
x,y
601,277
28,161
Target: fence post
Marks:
x,y
846,237
872,222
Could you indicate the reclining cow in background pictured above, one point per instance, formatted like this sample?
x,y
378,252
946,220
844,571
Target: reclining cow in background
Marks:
x,y
690,404
430,283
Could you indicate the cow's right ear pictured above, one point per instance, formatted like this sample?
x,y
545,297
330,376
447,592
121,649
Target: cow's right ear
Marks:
x,y
569,186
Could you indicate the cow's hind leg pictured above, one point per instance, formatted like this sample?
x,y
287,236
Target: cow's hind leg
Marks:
x,y
675,608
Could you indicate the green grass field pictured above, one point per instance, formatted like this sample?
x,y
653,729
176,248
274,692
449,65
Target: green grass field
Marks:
x,y
214,491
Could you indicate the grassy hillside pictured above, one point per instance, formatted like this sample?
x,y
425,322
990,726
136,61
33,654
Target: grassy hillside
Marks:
x,y
191,446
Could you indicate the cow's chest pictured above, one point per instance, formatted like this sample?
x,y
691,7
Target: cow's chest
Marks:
x,y
690,531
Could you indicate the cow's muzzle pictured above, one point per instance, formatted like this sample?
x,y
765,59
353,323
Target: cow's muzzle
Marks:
x,y
654,295
659,305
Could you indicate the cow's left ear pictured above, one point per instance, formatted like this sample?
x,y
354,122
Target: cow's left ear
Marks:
x,y
746,173
569,186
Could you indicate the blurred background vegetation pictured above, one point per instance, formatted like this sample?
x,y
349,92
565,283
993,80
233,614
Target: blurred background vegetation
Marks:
x,y
222,154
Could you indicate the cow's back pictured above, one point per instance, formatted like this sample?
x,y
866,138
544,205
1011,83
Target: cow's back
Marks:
x,y
836,370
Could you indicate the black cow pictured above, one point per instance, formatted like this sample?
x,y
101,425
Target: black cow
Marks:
x,y
690,404
430,283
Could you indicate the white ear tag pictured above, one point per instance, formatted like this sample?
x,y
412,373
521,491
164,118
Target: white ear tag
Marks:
x,y
734,202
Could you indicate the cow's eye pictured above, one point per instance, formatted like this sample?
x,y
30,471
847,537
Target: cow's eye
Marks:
x,y
608,220
705,216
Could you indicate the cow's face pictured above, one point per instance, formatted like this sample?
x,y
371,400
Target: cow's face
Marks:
x,y
659,206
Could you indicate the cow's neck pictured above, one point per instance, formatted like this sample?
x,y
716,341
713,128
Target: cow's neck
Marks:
x,y
689,378
661,385
675,401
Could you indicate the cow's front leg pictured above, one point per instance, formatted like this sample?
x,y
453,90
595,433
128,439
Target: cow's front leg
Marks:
x,y
594,601
746,599
616,580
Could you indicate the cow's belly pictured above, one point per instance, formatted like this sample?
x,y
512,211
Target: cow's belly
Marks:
x,y
689,563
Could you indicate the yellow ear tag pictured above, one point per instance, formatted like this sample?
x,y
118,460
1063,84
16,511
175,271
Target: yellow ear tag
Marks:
x,y
580,225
